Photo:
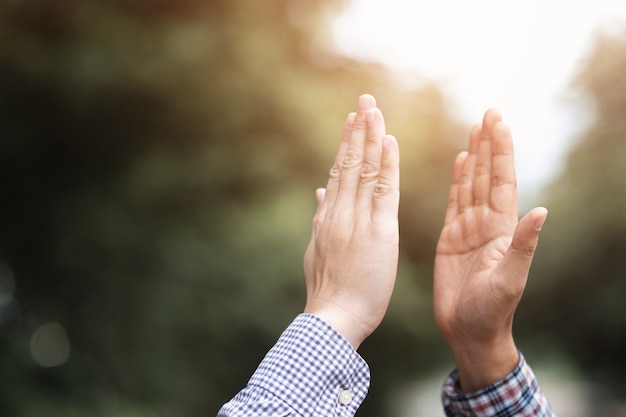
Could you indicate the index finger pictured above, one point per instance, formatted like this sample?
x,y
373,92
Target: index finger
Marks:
x,y
332,186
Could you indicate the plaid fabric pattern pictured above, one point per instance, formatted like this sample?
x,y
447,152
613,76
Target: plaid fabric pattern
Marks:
x,y
303,375
516,395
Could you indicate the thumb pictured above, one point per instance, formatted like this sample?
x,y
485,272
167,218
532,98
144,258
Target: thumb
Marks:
x,y
320,196
318,218
516,262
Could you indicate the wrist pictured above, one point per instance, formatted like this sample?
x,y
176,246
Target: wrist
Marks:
x,y
342,321
482,364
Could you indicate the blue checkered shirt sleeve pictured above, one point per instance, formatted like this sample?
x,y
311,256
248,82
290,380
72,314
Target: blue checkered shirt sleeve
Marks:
x,y
311,371
517,395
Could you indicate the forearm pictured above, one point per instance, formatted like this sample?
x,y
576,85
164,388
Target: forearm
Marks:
x,y
312,370
518,394
481,365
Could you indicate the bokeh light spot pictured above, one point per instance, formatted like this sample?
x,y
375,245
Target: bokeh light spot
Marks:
x,y
50,345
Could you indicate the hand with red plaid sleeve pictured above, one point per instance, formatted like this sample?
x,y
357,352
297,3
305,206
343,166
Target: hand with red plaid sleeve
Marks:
x,y
483,257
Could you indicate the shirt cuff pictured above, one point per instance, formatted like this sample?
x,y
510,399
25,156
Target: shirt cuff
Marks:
x,y
518,394
313,370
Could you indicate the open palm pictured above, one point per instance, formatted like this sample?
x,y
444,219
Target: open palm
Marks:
x,y
484,254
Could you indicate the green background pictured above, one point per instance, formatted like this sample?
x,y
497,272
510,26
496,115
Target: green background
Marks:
x,y
158,161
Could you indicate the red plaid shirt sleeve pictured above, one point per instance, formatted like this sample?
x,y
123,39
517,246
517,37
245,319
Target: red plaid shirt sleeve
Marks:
x,y
517,395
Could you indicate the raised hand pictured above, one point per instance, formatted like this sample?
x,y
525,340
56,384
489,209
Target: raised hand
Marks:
x,y
351,262
483,257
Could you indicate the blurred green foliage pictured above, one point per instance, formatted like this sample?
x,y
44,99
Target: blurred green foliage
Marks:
x,y
158,163
580,268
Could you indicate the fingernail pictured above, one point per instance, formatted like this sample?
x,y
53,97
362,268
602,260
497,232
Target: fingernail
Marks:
x,y
540,223
350,119
365,102
390,144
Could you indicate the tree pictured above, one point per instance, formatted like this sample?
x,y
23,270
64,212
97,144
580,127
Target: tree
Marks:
x,y
158,162
580,261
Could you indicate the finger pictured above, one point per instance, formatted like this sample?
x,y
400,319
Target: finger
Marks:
x,y
514,267
503,197
371,161
483,166
318,219
453,197
332,186
320,195
466,182
386,197
350,175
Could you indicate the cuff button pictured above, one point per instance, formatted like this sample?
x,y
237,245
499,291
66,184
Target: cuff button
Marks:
x,y
345,397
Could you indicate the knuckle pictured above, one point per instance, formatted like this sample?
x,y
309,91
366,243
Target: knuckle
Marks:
x,y
351,160
317,224
335,170
482,168
387,163
360,123
530,250
383,187
369,173
499,180
465,178
526,250
372,138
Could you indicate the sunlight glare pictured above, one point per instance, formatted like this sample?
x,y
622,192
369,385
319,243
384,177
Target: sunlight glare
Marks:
x,y
519,57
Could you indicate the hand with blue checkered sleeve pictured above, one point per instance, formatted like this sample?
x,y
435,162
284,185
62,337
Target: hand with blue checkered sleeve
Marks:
x,y
351,262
